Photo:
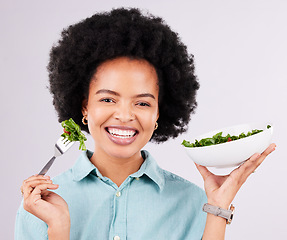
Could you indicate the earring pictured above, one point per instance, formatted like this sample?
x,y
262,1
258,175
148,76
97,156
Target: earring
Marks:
x,y
156,126
84,120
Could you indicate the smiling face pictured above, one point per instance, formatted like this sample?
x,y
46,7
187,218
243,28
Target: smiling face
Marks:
x,y
122,107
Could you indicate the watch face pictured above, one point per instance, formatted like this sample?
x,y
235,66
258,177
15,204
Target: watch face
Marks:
x,y
232,208
228,221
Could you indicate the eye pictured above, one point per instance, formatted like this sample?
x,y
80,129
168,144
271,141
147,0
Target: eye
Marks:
x,y
107,100
143,104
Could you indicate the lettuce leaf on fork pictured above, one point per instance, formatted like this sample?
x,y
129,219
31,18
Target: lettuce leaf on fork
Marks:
x,y
72,132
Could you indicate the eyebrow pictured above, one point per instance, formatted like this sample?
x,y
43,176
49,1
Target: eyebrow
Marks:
x,y
145,95
117,94
107,91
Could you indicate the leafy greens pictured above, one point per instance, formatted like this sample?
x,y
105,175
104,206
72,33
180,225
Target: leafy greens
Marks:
x,y
218,138
72,132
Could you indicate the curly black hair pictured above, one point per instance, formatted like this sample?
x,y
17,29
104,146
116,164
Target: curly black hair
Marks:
x,y
124,32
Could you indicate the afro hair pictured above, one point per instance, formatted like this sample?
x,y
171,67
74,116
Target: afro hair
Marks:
x,y
124,32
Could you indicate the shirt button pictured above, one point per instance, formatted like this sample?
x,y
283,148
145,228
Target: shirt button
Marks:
x,y
117,238
118,194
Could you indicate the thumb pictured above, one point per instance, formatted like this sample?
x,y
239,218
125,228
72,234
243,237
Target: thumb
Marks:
x,y
204,172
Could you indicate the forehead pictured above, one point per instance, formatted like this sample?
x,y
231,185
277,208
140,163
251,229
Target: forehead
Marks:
x,y
126,73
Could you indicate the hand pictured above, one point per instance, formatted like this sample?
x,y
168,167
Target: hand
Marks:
x,y
221,190
44,204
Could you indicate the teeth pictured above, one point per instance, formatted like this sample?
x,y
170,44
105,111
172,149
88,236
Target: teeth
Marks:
x,y
121,133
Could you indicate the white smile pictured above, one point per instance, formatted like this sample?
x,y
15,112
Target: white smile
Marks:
x,y
121,133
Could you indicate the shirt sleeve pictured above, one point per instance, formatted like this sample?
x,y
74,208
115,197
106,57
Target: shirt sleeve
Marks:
x,y
29,227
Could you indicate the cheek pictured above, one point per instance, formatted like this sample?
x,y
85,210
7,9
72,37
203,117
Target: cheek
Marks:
x,y
149,121
96,117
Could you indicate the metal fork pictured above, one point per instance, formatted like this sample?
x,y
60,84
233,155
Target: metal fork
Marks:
x,y
61,146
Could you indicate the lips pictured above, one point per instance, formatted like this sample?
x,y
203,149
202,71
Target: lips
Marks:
x,y
121,135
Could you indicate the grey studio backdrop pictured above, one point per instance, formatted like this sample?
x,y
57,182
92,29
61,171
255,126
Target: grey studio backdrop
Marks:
x,y
240,49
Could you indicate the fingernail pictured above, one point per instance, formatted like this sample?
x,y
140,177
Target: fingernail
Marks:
x,y
47,177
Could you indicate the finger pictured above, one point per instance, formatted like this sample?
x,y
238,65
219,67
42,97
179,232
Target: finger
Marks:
x,y
32,178
35,193
241,173
42,187
33,184
34,200
29,186
205,173
269,150
35,181
254,162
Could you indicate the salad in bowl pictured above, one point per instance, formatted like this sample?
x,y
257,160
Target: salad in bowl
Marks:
x,y
230,146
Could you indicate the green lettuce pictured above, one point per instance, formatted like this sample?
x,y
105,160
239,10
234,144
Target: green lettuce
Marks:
x,y
218,138
72,132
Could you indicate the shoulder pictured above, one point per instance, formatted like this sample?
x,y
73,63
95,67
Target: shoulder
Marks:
x,y
171,178
186,197
67,184
81,168
170,182
64,177
177,184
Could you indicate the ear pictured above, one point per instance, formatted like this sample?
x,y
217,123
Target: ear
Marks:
x,y
84,107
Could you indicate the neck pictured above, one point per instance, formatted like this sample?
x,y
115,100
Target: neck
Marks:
x,y
117,169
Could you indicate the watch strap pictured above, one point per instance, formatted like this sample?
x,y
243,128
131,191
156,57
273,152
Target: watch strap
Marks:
x,y
217,211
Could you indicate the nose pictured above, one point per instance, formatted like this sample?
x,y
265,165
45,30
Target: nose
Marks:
x,y
124,113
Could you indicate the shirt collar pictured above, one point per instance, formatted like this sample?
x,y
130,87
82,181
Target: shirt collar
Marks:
x,y
150,169
83,167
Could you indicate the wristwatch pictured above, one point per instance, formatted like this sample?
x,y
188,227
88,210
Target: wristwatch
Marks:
x,y
217,211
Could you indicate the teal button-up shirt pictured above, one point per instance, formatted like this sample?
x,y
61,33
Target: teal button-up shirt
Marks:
x,y
150,204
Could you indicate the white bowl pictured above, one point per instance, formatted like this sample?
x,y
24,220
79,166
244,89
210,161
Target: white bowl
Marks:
x,y
234,153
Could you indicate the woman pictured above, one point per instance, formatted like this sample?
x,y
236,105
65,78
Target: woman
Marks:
x,y
129,79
